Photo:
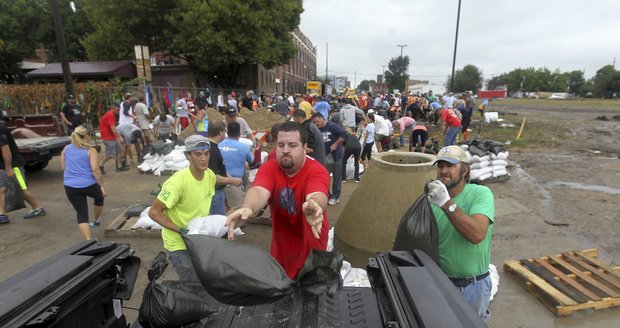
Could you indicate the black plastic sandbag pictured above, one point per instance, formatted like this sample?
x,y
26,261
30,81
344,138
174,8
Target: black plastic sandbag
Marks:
x,y
13,198
418,230
167,305
240,274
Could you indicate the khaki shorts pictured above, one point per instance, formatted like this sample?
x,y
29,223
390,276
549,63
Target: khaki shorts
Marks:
x,y
112,147
234,196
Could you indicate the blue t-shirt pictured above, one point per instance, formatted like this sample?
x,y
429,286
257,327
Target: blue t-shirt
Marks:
x,y
370,132
435,105
331,133
235,154
323,108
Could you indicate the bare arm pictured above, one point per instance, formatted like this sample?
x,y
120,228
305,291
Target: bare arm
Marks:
x,y
314,207
8,160
474,228
64,119
222,180
157,214
94,166
255,199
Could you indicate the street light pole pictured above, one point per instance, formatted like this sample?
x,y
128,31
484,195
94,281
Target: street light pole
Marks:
x,y
401,49
456,39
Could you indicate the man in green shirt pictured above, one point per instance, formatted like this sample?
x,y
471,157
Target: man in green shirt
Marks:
x,y
184,196
465,215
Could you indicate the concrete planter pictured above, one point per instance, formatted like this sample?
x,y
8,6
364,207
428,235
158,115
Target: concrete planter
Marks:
x,y
368,223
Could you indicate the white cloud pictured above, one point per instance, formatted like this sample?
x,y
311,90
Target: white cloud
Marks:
x,y
496,36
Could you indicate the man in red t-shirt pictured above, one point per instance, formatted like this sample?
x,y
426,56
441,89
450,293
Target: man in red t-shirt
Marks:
x,y
295,187
111,138
450,125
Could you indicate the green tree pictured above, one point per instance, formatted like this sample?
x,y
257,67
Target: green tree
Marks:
x,y
396,76
576,83
76,26
365,85
120,25
20,22
218,38
606,82
468,78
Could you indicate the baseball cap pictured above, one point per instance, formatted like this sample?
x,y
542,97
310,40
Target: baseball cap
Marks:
x,y
231,110
70,96
452,155
196,142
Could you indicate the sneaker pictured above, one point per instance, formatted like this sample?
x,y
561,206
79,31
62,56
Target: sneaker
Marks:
x,y
357,181
343,181
333,201
4,219
95,223
122,168
35,213
102,170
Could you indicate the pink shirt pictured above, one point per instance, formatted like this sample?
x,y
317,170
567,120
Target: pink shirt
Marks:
x,y
404,122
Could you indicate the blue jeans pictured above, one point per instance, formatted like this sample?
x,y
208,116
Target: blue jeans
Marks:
x,y
217,203
182,264
478,294
337,173
402,139
451,135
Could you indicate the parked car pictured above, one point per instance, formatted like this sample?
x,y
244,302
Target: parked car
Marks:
x,y
558,96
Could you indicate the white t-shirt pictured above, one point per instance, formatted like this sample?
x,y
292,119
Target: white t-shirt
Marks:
x,y
143,115
125,119
220,101
381,125
164,126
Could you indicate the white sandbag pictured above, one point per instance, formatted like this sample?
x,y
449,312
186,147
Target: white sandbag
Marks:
x,y
485,158
350,174
330,240
478,173
145,222
479,165
501,155
499,162
474,159
464,147
491,117
263,156
344,271
252,175
494,280
497,168
212,225
499,173
356,278
485,176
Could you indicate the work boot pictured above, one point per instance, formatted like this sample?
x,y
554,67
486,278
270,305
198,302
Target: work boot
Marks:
x,y
4,219
122,168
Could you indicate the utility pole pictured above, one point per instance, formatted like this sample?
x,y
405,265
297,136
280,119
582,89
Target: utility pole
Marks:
x,y
404,86
355,81
62,47
456,39
326,61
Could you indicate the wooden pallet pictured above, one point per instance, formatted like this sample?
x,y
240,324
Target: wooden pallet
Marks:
x,y
121,227
570,281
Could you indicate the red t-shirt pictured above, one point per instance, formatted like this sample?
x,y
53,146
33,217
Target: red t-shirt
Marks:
x,y
448,116
292,238
105,126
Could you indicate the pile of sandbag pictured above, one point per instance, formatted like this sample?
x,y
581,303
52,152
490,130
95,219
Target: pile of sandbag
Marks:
x,y
488,160
172,160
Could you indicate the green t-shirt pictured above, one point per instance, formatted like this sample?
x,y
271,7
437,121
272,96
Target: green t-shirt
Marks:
x,y
185,198
459,258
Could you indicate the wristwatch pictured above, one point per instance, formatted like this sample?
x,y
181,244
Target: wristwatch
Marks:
x,y
452,208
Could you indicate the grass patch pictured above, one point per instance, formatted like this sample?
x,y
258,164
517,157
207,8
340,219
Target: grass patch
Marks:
x,y
561,103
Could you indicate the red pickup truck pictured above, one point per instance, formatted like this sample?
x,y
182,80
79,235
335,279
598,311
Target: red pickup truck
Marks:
x,y
38,137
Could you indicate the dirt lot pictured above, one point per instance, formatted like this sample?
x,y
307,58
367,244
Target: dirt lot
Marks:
x,y
562,196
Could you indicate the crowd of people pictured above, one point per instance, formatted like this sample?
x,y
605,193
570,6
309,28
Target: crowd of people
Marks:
x,y
317,138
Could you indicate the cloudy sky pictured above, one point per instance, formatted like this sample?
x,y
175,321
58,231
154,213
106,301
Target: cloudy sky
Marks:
x,y
496,36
